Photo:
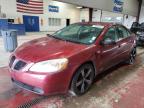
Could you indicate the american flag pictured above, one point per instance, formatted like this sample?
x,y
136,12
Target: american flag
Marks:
x,y
30,6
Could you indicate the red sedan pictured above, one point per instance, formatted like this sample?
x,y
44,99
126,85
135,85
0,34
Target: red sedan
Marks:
x,y
71,58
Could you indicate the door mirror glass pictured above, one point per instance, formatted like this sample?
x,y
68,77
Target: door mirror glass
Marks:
x,y
108,41
110,37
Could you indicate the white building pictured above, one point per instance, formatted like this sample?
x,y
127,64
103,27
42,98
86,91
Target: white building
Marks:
x,y
69,13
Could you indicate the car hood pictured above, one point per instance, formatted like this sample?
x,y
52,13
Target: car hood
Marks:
x,y
47,48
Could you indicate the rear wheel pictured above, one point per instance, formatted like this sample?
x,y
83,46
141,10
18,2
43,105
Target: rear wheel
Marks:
x,y
132,57
83,79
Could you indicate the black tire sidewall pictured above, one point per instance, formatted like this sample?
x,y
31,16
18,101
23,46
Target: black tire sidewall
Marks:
x,y
134,49
75,77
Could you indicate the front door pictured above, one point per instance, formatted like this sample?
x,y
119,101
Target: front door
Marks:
x,y
31,23
109,53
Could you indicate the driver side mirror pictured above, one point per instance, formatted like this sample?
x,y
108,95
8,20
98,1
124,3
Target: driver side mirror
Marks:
x,y
47,34
107,41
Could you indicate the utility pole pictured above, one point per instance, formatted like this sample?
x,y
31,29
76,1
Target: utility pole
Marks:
x,y
139,10
0,9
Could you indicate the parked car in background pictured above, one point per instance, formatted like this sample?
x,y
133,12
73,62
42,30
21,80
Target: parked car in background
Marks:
x,y
140,34
71,58
142,26
135,27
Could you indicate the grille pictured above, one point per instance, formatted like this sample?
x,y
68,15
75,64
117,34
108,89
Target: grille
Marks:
x,y
16,64
28,87
22,84
12,61
19,65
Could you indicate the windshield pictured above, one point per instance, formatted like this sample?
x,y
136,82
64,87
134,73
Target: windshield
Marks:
x,y
78,33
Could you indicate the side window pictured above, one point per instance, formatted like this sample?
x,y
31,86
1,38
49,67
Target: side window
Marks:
x,y
122,33
128,32
111,34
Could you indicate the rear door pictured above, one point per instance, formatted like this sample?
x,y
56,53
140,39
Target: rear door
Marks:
x,y
124,42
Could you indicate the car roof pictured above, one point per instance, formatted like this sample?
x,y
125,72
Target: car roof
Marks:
x,y
97,23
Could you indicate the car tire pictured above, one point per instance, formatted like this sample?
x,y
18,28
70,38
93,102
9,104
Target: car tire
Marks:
x,y
82,79
132,57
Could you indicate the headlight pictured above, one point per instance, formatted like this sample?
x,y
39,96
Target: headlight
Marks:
x,y
50,65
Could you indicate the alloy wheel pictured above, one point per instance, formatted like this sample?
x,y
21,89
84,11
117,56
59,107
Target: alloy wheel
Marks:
x,y
132,56
83,79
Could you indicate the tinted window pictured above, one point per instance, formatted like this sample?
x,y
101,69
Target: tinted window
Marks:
x,y
142,24
122,33
111,34
129,33
142,27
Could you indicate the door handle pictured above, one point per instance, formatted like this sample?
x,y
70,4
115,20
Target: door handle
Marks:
x,y
130,41
119,45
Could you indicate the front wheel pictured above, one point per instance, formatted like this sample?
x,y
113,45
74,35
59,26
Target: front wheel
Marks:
x,y
132,57
83,79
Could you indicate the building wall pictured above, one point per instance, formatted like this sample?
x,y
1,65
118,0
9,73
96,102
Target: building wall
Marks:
x,y
130,6
84,14
106,16
128,20
66,11
112,17
142,15
96,15
69,11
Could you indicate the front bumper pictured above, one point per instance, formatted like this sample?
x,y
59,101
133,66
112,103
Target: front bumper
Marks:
x,y
43,84
28,87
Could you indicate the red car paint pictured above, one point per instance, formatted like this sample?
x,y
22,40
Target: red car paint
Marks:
x,y
102,57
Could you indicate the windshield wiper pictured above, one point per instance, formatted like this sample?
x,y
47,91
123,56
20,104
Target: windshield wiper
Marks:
x,y
49,35
64,39
52,36
56,37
